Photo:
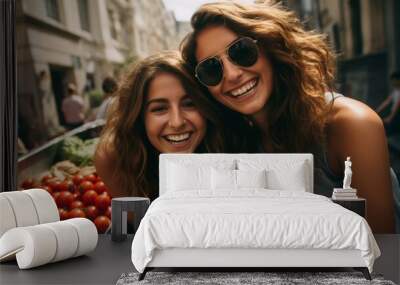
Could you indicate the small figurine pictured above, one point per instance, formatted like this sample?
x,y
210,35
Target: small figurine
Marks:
x,y
347,174
347,192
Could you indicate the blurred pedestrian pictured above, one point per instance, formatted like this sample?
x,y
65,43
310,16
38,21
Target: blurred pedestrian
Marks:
x,y
73,108
109,86
392,121
48,108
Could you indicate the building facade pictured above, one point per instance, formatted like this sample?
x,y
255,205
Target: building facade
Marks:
x,y
155,27
366,37
80,42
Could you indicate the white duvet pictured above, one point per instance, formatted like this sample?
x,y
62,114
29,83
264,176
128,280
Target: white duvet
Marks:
x,y
251,218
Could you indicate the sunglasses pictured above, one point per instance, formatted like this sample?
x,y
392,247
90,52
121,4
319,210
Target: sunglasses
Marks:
x,y
242,52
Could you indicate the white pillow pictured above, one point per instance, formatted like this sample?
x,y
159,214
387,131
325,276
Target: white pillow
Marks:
x,y
235,179
181,178
223,179
191,174
251,178
292,179
280,174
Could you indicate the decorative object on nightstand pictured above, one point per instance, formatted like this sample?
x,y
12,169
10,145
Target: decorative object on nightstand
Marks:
x,y
347,196
119,208
347,192
348,173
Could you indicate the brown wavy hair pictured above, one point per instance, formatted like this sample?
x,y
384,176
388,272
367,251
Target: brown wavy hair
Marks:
x,y
303,67
136,166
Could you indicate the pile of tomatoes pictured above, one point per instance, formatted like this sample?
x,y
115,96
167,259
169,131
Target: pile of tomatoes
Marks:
x,y
79,197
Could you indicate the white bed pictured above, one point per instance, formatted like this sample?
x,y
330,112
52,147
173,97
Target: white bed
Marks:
x,y
203,220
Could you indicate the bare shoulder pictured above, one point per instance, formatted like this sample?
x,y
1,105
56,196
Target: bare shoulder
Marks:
x,y
354,129
348,113
352,124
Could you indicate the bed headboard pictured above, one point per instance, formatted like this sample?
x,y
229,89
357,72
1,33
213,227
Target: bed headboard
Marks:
x,y
214,158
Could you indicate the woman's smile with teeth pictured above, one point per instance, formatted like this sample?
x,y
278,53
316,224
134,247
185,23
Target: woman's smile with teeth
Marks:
x,y
243,89
178,138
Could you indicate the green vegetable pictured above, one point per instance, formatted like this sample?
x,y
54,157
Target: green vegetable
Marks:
x,y
78,151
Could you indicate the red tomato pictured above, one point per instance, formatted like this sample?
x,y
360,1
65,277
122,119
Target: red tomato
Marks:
x,y
28,183
102,202
102,223
64,199
76,195
54,184
55,195
76,204
76,213
89,197
85,186
107,213
91,212
63,186
100,187
47,188
63,214
77,179
91,177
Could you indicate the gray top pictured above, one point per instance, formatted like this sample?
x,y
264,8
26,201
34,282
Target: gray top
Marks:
x,y
324,178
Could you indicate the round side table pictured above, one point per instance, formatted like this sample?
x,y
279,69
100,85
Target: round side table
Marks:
x,y
119,208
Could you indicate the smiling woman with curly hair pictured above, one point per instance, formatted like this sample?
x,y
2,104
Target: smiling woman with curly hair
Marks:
x,y
258,60
158,108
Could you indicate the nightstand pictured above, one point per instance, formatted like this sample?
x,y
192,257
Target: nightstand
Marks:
x,y
119,208
356,205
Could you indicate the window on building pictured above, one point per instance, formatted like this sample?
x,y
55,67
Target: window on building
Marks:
x,y
125,32
76,62
111,19
90,82
336,37
52,9
84,14
355,7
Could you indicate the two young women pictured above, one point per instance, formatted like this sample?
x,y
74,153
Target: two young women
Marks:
x,y
258,62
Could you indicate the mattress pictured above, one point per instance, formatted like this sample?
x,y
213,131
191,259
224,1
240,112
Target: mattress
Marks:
x,y
251,219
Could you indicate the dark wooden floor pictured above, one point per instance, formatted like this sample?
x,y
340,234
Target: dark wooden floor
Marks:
x,y
106,264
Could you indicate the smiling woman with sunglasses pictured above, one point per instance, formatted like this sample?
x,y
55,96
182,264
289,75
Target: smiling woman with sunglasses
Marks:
x,y
258,60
